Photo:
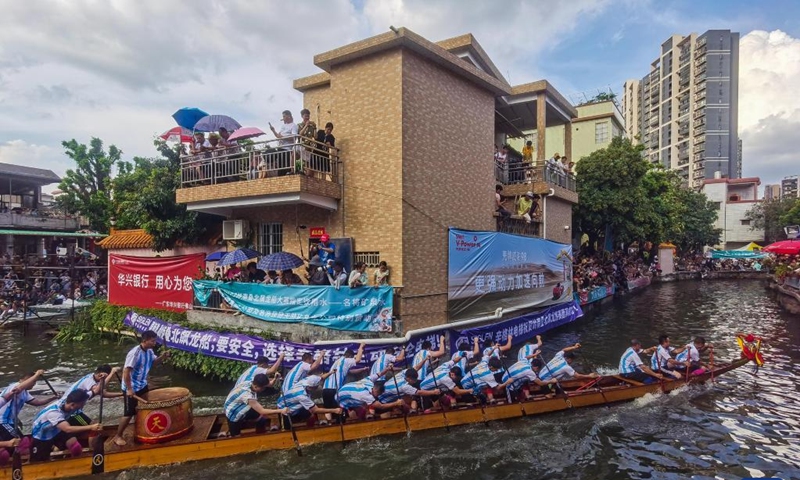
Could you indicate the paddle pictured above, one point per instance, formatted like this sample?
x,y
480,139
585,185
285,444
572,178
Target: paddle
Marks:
x,y
98,442
558,384
508,391
596,380
436,385
341,416
49,385
480,398
405,409
288,418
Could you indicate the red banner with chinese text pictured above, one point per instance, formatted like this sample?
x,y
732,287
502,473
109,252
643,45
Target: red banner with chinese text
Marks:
x,y
164,282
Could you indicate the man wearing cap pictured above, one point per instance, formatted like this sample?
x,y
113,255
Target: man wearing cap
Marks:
x,y
632,367
326,249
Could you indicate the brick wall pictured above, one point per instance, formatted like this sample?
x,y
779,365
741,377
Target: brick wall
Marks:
x,y
559,214
258,187
448,129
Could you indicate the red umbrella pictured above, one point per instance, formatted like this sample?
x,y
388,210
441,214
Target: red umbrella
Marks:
x,y
784,247
246,132
174,134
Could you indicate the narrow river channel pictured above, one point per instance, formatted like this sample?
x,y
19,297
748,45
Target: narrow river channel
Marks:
x,y
740,426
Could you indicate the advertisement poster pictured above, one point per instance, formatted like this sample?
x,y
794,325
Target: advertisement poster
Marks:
x,y
489,270
164,282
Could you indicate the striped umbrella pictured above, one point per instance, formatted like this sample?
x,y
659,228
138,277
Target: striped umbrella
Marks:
x,y
280,261
237,256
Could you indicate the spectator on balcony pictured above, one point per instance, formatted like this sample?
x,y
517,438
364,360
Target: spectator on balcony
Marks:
x,y
316,273
223,138
306,130
527,153
527,206
553,168
326,249
499,203
286,139
326,138
382,274
200,144
338,277
288,278
501,164
272,278
255,274
358,277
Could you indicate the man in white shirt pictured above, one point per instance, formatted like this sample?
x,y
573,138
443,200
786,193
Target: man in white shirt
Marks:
x,y
287,136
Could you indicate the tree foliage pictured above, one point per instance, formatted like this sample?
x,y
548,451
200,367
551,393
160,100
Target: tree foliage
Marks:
x,y
88,187
773,216
623,193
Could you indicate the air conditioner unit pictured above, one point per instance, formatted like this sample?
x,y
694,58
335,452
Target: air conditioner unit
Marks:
x,y
234,229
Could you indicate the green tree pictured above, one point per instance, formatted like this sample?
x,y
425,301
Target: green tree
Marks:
x,y
695,226
145,198
87,187
773,216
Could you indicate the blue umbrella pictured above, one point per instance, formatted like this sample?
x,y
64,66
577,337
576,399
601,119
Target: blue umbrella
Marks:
x,y
187,117
212,123
214,257
237,256
280,261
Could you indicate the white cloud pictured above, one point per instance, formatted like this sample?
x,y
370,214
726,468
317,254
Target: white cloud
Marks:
x,y
769,105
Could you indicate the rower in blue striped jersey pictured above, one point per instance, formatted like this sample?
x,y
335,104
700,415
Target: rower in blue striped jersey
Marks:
x,y
92,384
299,371
242,405
423,357
530,350
519,375
692,352
51,427
632,367
401,386
447,378
560,367
385,359
298,400
665,363
138,362
19,392
26,384
495,349
482,379
340,369
467,358
361,399
262,366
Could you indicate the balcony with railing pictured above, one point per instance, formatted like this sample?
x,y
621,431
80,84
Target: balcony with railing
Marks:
x,y
701,60
700,95
700,50
699,130
292,170
698,166
518,178
699,104
701,70
697,157
699,147
699,113
44,219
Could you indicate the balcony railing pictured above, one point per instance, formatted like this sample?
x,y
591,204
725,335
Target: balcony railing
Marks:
x,y
520,173
272,158
518,225
699,130
699,113
700,60
698,157
699,147
44,220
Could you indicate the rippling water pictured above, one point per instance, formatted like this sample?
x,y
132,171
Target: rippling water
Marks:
x,y
740,426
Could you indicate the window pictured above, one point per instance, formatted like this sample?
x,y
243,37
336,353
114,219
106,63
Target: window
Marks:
x,y
372,259
746,222
270,238
601,133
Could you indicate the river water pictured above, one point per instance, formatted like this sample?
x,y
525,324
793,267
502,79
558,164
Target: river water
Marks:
x,y
740,426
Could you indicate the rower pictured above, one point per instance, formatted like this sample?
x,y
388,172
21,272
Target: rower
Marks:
x,y
262,366
138,362
494,349
92,384
420,362
361,399
466,357
300,371
10,411
692,352
339,370
481,380
298,400
631,366
663,358
530,350
519,375
385,359
52,429
560,367
13,389
402,387
447,378
242,405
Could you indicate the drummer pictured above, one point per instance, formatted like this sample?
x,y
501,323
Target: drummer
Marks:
x,y
92,384
138,362
242,405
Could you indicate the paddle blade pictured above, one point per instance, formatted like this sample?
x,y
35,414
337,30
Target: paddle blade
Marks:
x,y
98,454
16,466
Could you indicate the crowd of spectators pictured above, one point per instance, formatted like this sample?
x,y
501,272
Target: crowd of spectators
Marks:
x,y
607,269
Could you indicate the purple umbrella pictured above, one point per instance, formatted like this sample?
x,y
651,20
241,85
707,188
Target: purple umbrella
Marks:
x,y
212,123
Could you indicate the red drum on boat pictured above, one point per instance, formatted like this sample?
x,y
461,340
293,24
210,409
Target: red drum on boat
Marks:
x,y
165,416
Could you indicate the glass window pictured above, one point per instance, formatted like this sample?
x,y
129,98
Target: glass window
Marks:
x,y
601,133
270,238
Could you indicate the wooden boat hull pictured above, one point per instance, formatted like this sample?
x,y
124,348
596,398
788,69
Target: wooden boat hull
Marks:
x,y
611,390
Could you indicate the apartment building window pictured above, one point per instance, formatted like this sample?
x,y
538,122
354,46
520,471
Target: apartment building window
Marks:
x,y
372,259
269,238
746,222
601,133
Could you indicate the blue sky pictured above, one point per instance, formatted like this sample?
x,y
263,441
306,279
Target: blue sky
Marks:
x,y
117,70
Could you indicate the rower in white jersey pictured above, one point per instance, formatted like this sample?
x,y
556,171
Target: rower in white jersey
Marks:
x,y
530,350
262,366
664,361
298,400
52,429
385,359
242,405
360,399
401,386
423,358
482,379
517,378
92,384
300,371
29,382
339,371
495,349
560,367
692,353
632,367
447,378
467,358
18,396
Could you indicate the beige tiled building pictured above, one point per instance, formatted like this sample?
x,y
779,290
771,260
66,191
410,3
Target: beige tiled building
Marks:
x,y
416,123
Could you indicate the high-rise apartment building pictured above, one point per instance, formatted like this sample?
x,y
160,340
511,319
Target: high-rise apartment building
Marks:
x,y
685,111
789,187
772,192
